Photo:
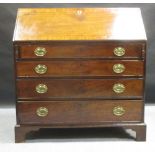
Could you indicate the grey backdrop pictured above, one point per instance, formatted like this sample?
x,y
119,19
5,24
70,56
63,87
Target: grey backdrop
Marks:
x,y
7,23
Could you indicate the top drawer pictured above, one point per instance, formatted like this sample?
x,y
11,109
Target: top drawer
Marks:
x,y
82,50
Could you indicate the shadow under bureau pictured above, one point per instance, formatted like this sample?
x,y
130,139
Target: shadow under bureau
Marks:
x,y
79,68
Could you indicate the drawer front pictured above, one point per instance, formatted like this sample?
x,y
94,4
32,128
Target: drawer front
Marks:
x,y
79,88
80,68
79,112
82,50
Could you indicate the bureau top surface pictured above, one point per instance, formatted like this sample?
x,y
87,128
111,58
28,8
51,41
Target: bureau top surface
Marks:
x,y
50,24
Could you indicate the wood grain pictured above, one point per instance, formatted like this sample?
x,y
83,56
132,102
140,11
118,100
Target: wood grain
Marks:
x,y
80,45
79,24
79,112
85,68
79,88
86,49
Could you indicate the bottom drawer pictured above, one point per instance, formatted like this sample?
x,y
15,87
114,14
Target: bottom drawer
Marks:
x,y
79,112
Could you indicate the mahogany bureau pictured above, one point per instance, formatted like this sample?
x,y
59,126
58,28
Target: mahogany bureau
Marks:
x,y
79,68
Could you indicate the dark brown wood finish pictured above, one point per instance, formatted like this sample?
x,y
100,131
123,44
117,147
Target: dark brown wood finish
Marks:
x,y
79,88
21,131
79,112
80,76
86,49
79,68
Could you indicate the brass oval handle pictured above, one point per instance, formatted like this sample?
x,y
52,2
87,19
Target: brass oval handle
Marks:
x,y
119,51
41,88
42,111
118,111
40,51
118,88
118,68
41,69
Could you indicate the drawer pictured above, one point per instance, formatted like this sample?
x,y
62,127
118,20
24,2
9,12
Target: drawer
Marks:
x,y
80,68
84,49
79,112
79,88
